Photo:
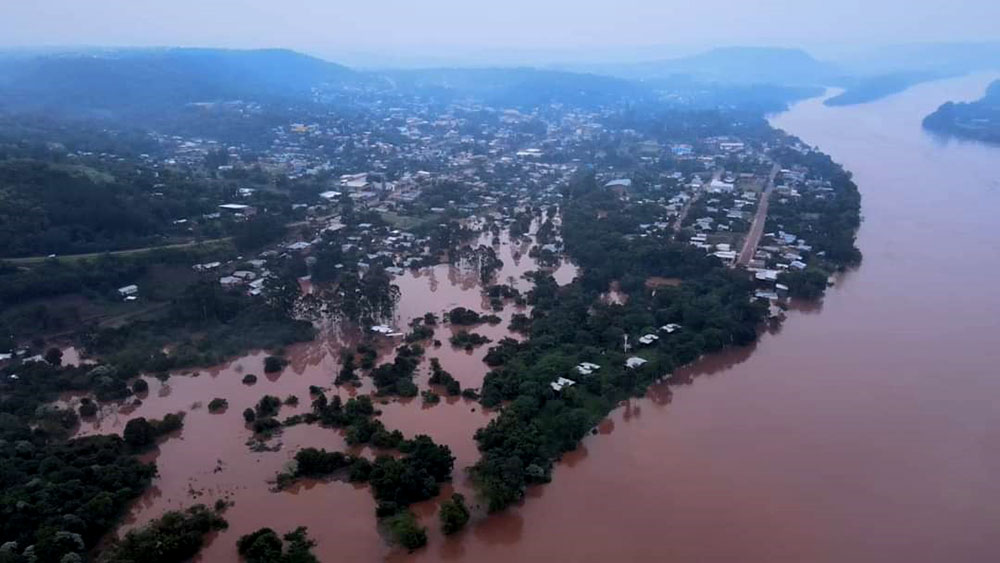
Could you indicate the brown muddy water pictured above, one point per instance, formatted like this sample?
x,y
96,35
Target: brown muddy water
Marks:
x,y
865,429
209,459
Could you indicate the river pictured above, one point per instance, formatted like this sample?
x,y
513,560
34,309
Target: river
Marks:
x,y
866,429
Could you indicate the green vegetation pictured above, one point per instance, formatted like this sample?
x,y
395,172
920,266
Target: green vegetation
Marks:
x,y
829,221
141,433
465,317
467,340
217,405
204,326
347,373
807,284
405,531
572,324
175,536
453,513
274,364
397,377
395,482
62,497
441,377
264,546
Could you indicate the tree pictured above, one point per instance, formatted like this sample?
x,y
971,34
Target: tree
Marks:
x,y
274,364
406,531
139,433
175,536
264,546
54,356
453,514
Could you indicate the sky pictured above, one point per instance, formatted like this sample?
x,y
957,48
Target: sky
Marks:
x,y
510,29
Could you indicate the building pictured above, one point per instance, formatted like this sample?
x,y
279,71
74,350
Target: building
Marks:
x,y
129,292
238,209
634,362
561,383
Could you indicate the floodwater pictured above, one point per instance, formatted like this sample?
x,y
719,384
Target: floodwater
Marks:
x,y
865,430
210,458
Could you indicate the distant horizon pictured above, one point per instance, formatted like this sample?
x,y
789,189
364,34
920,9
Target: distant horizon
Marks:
x,y
526,57
512,32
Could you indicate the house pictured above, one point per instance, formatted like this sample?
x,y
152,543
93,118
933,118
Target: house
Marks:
x,y
587,368
330,195
720,186
561,383
238,209
726,255
648,339
619,186
634,362
256,287
129,292
670,328
206,266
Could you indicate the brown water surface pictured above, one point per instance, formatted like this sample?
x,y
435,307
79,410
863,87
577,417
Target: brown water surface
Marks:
x,y
865,430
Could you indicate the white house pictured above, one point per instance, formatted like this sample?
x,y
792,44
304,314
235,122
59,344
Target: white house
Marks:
x,y
634,362
561,383
128,290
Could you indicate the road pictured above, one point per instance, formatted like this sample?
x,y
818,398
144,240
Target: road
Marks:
x,y
759,219
133,251
687,206
127,252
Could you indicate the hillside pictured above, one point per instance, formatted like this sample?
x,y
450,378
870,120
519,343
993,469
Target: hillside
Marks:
x,y
735,65
140,81
978,120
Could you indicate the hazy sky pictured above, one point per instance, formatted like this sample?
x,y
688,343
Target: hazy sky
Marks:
x,y
455,28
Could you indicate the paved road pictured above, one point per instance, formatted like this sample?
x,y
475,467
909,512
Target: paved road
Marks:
x,y
759,219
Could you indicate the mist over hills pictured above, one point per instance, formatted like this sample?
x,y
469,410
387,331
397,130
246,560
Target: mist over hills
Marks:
x,y
151,79
734,65
135,83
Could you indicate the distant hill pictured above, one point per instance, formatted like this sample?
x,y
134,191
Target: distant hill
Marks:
x,y
735,65
156,87
871,88
978,120
144,80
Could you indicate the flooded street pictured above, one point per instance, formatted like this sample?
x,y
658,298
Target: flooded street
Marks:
x,y
865,429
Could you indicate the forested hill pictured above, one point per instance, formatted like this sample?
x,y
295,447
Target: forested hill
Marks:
x,y
149,80
978,120
150,87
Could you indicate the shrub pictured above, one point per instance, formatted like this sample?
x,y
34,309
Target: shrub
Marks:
x,y
217,404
